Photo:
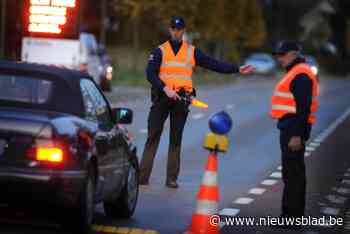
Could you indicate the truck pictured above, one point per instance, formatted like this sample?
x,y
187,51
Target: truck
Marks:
x,y
79,54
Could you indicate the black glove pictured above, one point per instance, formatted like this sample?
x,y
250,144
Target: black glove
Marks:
x,y
186,97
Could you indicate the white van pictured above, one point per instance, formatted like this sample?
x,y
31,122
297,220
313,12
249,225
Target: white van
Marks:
x,y
79,54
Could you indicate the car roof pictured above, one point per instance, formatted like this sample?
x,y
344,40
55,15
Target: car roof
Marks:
x,y
260,55
50,70
64,77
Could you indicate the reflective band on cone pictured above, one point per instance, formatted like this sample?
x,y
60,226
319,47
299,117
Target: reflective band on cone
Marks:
x,y
201,225
207,201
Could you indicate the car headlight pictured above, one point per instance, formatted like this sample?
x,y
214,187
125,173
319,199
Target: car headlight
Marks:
x,y
314,70
109,71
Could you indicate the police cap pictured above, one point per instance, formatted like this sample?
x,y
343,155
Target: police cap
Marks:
x,y
283,47
177,22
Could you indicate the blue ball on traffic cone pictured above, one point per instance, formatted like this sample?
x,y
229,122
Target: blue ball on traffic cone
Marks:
x,y
220,123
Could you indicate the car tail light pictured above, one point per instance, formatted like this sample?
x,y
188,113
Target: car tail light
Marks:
x,y
48,151
49,154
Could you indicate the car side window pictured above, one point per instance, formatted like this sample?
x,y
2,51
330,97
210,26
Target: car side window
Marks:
x,y
100,105
90,106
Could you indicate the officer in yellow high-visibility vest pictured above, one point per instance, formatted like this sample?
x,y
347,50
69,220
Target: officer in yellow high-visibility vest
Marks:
x,y
169,70
294,104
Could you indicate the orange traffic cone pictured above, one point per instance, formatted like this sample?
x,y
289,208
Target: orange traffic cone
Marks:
x,y
207,201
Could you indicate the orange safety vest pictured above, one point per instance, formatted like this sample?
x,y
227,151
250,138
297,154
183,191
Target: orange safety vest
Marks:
x,y
283,102
176,70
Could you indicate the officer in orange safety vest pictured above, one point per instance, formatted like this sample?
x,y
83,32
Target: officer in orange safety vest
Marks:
x,y
169,71
294,104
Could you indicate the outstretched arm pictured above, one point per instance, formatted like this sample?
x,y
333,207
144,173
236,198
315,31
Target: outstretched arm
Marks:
x,y
213,64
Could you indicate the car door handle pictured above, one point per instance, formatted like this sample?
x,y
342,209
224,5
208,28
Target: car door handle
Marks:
x,y
102,142
104,136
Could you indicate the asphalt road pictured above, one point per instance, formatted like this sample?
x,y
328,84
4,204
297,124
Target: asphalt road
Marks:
x,y
253,158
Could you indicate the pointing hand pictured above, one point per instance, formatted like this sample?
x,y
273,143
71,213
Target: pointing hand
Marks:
x,y
246,69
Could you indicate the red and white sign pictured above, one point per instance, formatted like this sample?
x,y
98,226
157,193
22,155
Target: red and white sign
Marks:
x,y
49,16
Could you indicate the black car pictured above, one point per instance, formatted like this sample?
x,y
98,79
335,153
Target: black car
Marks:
x,y
62,148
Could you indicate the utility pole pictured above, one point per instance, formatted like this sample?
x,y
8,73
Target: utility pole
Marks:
x,y
2,29
103,22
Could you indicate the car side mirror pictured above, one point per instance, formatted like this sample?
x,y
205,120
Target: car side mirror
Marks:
x,y
122,115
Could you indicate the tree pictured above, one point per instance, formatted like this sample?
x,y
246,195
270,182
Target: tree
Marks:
x,y
231,25
133,11
253,28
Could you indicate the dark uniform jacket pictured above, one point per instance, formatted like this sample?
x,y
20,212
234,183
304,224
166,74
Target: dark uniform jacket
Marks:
x,y
301,87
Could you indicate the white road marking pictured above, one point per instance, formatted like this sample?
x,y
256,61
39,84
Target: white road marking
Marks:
x,y
257,191
229,212
308,148
349,170
318,140
346,174
279,168
336,199
243,200
307,154
269,182
321,137
143,131
229,106
277,175
326,131
330,211
342,190
314,144
345,181
198,116
332,127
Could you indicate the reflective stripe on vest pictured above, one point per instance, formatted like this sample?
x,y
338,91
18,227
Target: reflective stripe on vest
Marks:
x,y
179,77
176,70
286,95
283,94
291,109
176,64
283,101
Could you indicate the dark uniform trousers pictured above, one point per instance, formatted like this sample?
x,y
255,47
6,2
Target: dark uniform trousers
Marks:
x,y
161,108
294,178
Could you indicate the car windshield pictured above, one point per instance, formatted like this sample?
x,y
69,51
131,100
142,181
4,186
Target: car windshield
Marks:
x,y
24,89
260,59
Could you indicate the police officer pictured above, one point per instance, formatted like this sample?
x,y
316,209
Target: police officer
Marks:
x,y
169,71
294,104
